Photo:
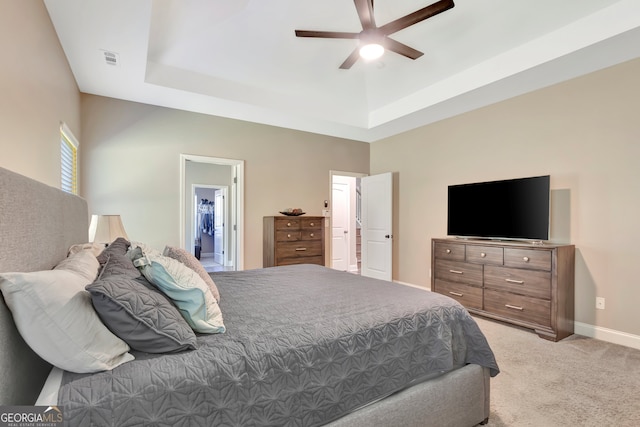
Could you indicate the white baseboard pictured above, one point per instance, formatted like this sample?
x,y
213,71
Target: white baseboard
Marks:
x,y
609,335
591,331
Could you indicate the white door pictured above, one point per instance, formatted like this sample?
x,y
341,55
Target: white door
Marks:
x,y
340,227
219,210
377,221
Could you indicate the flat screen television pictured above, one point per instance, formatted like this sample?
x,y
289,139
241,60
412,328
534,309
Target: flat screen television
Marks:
x,y
515,209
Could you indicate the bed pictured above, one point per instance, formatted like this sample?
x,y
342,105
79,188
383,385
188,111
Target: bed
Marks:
x,y
304,345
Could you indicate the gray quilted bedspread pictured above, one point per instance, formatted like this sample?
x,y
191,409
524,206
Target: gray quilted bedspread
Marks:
x,y
304,345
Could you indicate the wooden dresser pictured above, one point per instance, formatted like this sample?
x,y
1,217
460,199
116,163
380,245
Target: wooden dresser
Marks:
x,y
520,283
292,240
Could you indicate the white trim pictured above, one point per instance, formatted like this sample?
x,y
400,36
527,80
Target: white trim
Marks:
x,y
237,194
69,135
608,335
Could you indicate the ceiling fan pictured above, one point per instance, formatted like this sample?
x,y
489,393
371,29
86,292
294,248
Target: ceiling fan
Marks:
x,y
374,39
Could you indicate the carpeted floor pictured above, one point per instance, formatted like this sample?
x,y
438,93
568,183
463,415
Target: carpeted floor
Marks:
x,y
578,381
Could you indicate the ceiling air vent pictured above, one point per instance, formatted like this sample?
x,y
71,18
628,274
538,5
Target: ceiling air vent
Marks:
x,y
111,58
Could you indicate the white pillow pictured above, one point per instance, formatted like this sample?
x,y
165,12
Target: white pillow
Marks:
x,y
54,315
184,286
83,263
95,248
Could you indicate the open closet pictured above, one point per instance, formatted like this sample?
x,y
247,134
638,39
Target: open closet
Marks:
x,y
205,221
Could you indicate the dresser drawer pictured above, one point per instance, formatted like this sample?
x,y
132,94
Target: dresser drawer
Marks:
x,y
459,272
299,249
449,251
525,282
311,234
287,223
485,255
469,296
527,258
519,307
310,223
302,260
287,235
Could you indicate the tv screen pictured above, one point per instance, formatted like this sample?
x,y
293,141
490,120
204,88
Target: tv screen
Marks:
x,y
507,209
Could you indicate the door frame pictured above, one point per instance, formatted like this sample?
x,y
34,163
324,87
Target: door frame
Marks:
x,y
333,173
236,206
191,239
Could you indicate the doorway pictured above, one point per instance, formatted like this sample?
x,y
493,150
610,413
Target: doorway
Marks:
x,y
213,173
209,227
346,222
361,224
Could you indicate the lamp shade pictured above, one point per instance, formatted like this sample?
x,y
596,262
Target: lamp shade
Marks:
x,y
106,228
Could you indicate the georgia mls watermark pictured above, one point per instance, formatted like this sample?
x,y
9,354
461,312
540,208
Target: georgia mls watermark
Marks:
x,y
31,416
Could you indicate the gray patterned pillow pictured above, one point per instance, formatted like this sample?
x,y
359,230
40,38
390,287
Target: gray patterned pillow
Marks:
x,y
138,313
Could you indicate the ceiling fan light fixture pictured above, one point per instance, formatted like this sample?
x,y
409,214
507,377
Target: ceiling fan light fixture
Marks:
x,y
371,51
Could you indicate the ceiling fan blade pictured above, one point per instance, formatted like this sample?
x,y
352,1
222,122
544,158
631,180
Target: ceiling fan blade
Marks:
x,y
417,16
327,34
401,48
351,59
365,13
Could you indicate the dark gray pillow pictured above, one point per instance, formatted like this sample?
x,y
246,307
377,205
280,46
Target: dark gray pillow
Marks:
x,y
139,314
117,264
118,246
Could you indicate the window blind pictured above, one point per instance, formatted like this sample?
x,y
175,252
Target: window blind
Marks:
x,y
68,161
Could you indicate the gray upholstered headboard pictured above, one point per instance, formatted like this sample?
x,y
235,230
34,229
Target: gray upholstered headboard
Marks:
x,y
38,224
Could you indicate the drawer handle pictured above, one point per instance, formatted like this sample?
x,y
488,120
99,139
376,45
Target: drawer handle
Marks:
x,y
514,307
301,249
311,224
288,224
458,294
525,259
482,254
311,235
448,251
519,282
455,271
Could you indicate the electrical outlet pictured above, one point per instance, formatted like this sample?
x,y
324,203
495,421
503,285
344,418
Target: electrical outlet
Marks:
x,y
600,303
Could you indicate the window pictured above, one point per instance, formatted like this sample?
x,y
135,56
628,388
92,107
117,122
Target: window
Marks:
x,y
68,160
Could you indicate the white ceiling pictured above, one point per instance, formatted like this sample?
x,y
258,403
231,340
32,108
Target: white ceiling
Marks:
x,y
240,58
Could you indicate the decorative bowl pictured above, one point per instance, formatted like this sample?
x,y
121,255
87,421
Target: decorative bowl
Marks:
x,y
292,213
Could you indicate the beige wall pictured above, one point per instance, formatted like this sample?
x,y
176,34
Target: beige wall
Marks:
x,y
131,166
584,133
37,92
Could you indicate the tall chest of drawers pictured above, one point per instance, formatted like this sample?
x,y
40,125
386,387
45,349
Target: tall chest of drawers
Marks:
x,y
292,240
528,285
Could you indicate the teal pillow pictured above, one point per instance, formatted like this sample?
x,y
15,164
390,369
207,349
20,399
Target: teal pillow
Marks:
x,y
184,287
